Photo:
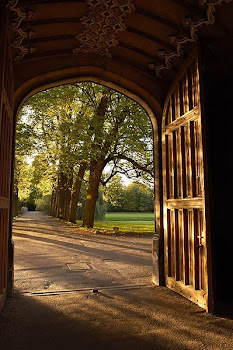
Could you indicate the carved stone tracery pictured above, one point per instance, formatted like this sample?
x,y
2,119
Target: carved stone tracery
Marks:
x,y
18,16
194,26
105,19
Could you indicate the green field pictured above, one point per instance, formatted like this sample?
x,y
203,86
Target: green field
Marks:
x,y
143,217
128,222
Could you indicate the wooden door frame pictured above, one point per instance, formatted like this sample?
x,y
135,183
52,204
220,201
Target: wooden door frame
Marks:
x,y
6,108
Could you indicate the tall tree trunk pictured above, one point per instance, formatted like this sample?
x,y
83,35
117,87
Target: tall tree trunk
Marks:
x,y
57,199
15,203
61,196
52,210
76,193
92,192
67,196
97,166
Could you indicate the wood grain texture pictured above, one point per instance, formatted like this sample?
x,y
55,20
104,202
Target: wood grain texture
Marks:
x,y
184,209
6,133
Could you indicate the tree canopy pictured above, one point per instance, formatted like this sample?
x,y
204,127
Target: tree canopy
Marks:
x,y
71,134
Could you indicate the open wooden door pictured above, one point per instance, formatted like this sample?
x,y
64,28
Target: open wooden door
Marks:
x,y
186,243
6,129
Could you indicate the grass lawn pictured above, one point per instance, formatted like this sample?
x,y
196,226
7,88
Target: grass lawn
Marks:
x,y
130,217
127,222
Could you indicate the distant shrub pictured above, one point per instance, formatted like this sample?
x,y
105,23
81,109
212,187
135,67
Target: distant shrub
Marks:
x,y
43,204
100,209
30,204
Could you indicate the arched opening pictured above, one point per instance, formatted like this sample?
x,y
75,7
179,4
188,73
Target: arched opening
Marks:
x,y
126,87
155,151
154,40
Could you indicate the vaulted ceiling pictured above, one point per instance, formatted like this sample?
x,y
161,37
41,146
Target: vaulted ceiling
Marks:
x,y
128,42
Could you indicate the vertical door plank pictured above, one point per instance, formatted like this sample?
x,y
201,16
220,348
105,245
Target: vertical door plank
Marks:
x,y
196,250
190,87
167,115
173,256
167,172
199,179
177,102
185,93
191,246
174,163
176,245
201,241
173,107
196,84
194,151
168,248
179,165
170,111
188,164
186,251
181,245
171,168
183,160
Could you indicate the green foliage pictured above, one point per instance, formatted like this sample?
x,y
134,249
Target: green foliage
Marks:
x,y
139,197
67,126
42,175
23,177
43,204
136,197
62,127
115,194
33,181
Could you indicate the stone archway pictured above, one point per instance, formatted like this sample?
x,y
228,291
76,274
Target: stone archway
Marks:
x,y
149,44
150,105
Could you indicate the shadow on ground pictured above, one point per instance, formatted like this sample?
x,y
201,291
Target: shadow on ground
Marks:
x,y
147,318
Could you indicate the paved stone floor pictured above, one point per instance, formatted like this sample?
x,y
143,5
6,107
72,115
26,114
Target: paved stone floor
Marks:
x,y
54,306
51,255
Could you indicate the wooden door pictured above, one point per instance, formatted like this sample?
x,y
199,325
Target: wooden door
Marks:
x,y
6,129
186,244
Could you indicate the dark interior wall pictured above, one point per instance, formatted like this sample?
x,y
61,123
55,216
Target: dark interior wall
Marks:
x,y
217,76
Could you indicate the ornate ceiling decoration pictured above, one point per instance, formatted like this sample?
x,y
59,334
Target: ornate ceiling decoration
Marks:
x,y
194,26
105,19
18,16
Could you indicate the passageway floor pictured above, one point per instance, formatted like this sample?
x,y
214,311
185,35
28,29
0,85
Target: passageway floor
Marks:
x,y
54,306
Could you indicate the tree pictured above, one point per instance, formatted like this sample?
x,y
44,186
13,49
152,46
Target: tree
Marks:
x,y
126,136
59,119
115,194
139,197
81,128
24,149
135,197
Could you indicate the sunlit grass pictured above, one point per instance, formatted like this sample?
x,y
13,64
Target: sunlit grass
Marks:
x,y
130,217
127,222
125,226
